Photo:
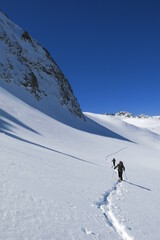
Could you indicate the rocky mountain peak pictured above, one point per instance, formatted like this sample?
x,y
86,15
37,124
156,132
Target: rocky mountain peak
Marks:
x,y
27,64
125,114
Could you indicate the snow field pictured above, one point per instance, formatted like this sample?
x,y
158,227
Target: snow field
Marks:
x,y
57,180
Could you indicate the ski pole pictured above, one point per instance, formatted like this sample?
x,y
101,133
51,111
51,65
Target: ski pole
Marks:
x,y
125,175
113,172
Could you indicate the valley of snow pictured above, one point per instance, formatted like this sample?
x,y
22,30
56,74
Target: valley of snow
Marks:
x,y
149,123
57,180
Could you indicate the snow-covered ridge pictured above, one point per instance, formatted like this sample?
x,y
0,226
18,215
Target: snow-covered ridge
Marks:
x,y
131,115
27,64
151,123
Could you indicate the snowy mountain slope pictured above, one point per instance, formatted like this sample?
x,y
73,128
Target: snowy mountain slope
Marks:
x,y
27,64
132,131
56,180
150,122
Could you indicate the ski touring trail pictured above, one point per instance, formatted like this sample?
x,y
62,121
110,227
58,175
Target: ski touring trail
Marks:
x,y
115,153
106,205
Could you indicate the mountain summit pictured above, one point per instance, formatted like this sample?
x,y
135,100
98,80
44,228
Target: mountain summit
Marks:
x,y
28,65
125,114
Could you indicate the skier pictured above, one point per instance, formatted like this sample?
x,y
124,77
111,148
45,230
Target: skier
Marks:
x,y
121,168
114,162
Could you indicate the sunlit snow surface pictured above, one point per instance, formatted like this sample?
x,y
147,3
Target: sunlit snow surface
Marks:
x,y
57,180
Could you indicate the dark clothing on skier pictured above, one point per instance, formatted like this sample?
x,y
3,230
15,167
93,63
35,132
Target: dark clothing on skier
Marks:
x,y
114,162
121,168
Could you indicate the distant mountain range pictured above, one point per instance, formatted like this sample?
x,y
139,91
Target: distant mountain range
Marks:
x,y
25,63
131,115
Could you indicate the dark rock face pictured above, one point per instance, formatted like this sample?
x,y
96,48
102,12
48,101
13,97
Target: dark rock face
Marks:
x,y
29,65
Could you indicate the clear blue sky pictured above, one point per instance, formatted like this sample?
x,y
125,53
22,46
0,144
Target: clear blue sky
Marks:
x,y
108,49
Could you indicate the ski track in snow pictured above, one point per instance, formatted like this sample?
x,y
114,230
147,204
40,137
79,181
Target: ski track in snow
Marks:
x,y
115,153
105,205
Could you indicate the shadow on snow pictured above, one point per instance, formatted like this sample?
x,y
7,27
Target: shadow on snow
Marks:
x,y
60,114
136,185
51,149
5,126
